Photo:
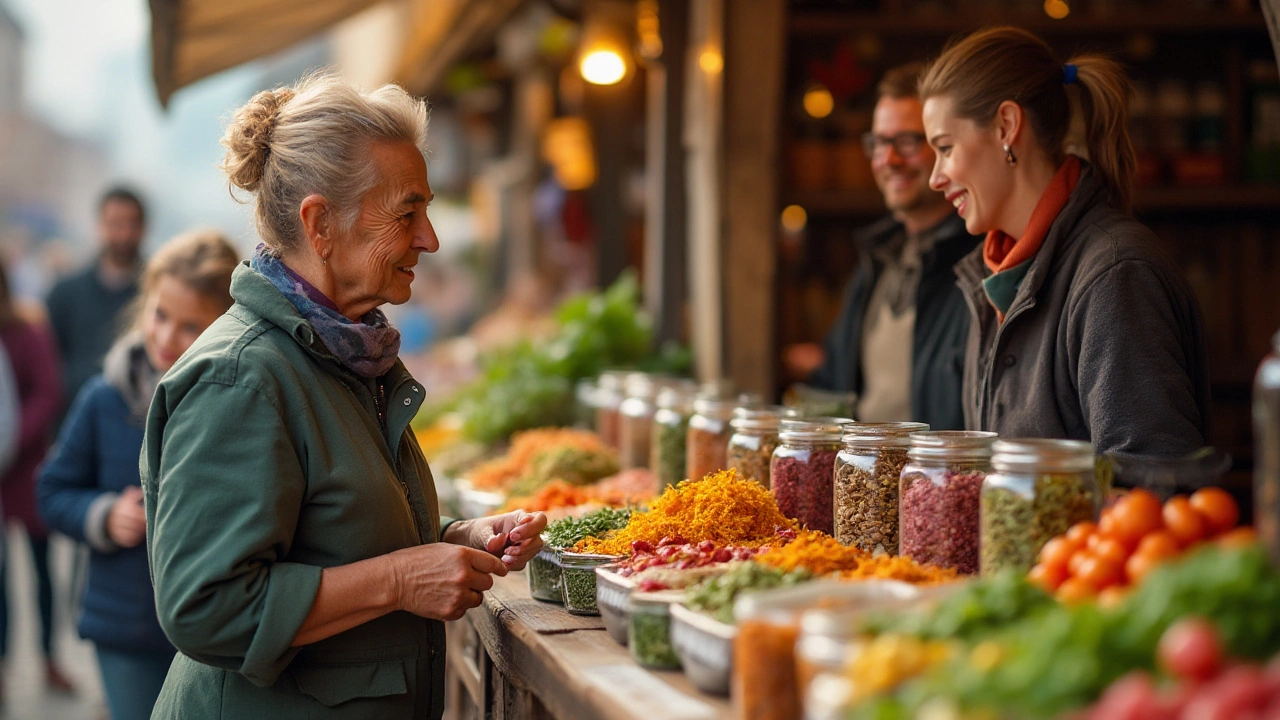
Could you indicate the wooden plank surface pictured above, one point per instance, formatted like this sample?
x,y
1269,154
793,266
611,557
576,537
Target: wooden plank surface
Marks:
x,y
572,666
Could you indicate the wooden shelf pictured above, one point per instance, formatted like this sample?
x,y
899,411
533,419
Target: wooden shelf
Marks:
x,y
1179,199
834,22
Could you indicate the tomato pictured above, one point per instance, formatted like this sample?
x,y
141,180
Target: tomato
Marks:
x,y
1081,531
1129,698
1184,522
1101,572
1240,537
1112,596
1138,514
1234,694
1138,566
1074,590
1111,549
1058,551
1047,577
1191,649
1077,560
1218,508
1159,545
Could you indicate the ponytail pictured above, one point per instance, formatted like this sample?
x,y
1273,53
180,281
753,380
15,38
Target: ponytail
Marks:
x,y
1104,105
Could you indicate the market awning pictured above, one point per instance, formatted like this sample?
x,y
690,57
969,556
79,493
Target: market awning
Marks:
x,y
193,39
444,33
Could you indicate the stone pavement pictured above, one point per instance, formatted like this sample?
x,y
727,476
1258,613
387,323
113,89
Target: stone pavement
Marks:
x,y
24,693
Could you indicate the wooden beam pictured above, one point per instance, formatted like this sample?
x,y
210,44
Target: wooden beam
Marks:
x,y
445,31
754,60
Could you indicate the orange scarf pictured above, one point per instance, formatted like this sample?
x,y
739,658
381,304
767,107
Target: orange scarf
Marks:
x,y
1002,252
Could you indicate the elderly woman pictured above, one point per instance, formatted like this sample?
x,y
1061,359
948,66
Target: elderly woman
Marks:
x,y
301,565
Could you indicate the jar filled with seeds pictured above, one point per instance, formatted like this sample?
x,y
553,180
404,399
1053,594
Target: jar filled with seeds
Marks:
x,y
608,400
635,421
708,436
578,581
754,438
1038,489
802,469
668,458
867,473
938,506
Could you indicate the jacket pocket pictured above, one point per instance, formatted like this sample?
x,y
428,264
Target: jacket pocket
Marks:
x,y
333,685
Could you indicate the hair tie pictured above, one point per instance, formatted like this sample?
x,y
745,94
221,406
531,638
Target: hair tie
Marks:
x,y
1068,74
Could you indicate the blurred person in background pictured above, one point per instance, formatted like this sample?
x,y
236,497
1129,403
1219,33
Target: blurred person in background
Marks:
x,y
899,339
36,370
90,488
85,307
300,560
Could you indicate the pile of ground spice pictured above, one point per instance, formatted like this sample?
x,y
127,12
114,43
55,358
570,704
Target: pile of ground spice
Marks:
x,y
822,554
526,448
723,508
629,487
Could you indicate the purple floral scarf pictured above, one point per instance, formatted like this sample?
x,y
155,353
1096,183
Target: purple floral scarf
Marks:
x,y
368,348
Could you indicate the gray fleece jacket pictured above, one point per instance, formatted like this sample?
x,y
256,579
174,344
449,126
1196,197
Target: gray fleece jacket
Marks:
x,y
1104,341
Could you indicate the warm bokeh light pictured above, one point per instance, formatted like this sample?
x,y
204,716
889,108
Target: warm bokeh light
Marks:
x,y
794,218
603,67
710,61
1056,9
818,101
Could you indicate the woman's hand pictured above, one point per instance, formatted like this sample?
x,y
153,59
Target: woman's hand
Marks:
x,y
442,581
127,520
515,536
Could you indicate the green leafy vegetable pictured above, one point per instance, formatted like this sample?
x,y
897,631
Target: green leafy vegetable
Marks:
x,y
567,532
715,597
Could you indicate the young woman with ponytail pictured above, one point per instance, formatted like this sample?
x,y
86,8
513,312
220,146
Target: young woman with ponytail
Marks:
x,y
1082,327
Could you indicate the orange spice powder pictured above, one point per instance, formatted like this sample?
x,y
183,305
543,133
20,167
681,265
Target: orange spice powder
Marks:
x,y
822,554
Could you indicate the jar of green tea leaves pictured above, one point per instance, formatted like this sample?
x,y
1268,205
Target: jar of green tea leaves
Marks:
x,y
1038,489
578,580
670,433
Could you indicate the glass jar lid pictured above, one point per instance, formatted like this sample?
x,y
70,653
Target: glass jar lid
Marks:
x,y
811,429
676,397
1037,454
881,434
720,408
759,417
951,445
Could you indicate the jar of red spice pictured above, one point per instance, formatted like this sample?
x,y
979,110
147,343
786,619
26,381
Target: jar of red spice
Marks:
x,y
608,399
867,474
635,421
803,466
708,436
938,507
755,437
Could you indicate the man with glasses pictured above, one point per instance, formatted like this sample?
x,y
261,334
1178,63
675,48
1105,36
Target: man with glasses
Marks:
x,y
899,340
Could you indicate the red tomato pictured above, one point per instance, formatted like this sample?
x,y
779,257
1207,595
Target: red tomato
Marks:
x,y
1080,532
1137,515
1191,649
1239,692
1240,537
1129,698
1184,522
1218,508
1077,561
1101,572
1159,545
1138,566
1112,549
1047,577
1057,552
1074,590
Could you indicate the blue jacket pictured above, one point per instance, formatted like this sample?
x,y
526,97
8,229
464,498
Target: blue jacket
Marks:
x,y
95,459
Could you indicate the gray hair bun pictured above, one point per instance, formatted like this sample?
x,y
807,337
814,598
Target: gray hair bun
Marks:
x,y
248,138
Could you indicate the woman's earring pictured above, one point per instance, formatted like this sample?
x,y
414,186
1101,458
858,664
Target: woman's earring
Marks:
x,y
1008,155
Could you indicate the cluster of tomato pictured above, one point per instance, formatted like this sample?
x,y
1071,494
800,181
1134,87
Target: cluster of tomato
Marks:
x,y
1131,537
1204,685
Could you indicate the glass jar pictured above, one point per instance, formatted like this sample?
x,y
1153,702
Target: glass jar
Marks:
x,y
708,436
867,472
1266,456
668,458
755,437
545,576
578,580
938,505
635,421
1038,489
608,399
584,404
802,469
649,629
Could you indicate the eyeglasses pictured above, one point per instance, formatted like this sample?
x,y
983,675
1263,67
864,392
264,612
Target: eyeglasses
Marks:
x,y
905,144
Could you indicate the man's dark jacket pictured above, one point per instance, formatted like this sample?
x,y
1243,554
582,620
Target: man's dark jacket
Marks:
x,y
941,327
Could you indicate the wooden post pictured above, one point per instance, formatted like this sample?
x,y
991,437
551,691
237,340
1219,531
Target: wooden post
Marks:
x,y
665,247
610,110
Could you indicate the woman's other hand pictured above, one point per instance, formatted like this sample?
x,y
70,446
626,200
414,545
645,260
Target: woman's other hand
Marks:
x,y
442,581
127,521
515,536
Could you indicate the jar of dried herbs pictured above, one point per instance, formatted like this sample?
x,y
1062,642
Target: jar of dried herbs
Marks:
x,y
938,507
1038,489
608,399
708,436
668,458
545,576
867,472
635,421
578,580
754,438
803,466
649,629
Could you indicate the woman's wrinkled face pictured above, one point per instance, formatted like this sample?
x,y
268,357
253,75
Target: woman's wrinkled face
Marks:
x,y
970,170
173,316
373,263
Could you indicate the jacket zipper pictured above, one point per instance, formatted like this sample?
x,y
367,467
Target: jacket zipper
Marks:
x,y
379,405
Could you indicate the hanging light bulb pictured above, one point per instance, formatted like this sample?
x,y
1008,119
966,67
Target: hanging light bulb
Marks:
x,y
604,57
1056,9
